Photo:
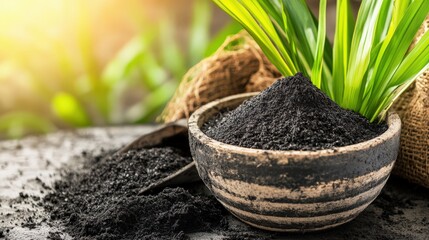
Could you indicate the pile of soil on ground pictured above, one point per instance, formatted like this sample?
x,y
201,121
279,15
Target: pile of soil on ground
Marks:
x,y
292,114
102,202
400,212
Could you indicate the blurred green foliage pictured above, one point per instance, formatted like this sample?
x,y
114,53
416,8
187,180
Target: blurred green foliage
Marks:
x,y
131,88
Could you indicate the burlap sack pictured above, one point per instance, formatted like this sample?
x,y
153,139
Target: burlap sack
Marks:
x,y
238,66
413,107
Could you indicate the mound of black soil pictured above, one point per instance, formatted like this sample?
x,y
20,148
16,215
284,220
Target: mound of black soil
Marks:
x,y
102,202
292,114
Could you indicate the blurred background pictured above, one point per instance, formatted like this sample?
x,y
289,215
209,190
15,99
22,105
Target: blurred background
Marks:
x,y
80,63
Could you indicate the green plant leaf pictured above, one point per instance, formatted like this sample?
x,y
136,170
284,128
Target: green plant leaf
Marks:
x,y
316,72
415,64
258,23
200,30
341,50
128,59
392,54
370,63
362,42
152,73
304,28
171,55
151,104
69,110
287,33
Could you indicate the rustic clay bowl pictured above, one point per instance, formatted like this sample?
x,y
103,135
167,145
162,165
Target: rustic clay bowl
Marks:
x,y
292,191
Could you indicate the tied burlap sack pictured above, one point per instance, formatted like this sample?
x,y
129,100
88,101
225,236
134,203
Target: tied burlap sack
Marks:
x,y
238,66
413,108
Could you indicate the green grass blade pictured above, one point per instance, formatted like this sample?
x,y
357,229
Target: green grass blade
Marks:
x,y
150,106
369,65
304,27
200,30
414,63
172,56
153,74
343,37
126,60
384,21
383,25
316,73
271,31
303,24
275,9
394,51
397,14
285,34
258,23
362,41
302,62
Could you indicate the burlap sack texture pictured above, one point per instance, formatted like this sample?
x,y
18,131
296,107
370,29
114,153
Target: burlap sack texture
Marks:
x,y
238,66
413,108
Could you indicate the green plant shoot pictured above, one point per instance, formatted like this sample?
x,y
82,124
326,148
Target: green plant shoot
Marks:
x,y
370,62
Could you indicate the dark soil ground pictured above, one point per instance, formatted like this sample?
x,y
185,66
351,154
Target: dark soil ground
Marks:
x,y
400,212
102,202
292,114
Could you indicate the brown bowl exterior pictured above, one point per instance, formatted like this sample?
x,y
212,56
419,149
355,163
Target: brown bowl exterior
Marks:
x,y
292,191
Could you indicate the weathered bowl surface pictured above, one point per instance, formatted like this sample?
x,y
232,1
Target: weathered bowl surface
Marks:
x,y
292,191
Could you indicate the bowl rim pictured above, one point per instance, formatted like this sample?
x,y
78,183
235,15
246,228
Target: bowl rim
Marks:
x,y
393,122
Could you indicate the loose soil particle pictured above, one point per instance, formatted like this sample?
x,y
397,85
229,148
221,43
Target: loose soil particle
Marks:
x,y
102,203
292,114
400,212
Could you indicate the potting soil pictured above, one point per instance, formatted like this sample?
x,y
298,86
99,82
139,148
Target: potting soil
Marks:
x,y
102,202
292,114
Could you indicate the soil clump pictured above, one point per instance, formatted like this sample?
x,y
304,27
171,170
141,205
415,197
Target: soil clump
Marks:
x,y
102,202
292,114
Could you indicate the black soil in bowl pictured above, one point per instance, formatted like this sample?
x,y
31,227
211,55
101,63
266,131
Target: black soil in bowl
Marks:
x,y
292,114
